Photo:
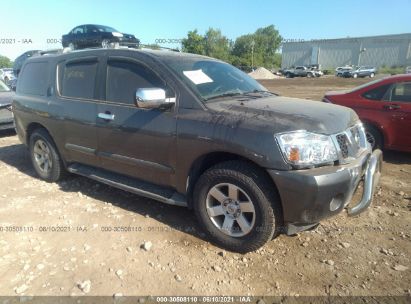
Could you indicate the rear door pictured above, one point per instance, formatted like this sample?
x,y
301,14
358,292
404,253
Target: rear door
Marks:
x,y
78,91
397,106
134,141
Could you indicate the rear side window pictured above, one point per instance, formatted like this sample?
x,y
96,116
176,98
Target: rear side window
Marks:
x,y
33,80
124,78
78,79
377,93
401,92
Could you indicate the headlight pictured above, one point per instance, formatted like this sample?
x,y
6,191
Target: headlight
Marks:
x,y
117,34
305,149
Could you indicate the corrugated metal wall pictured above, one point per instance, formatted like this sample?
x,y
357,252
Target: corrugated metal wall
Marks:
x,y
374,51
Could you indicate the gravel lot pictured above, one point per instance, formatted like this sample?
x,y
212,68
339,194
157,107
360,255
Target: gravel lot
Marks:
x,y
81,237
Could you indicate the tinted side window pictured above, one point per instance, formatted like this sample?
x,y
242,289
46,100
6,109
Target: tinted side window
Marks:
x,y
34,79
79,80
401,92
377,93
124,78
78,30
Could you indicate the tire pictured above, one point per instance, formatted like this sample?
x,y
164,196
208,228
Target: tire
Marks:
x,y
44,156
72,46
288,75
261,207
374,137
355,76
372,75
310,75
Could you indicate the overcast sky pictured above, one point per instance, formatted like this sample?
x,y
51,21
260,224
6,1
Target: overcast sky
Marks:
x,y
30,23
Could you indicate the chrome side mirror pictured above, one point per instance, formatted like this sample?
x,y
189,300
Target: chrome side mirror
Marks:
x,y
150,98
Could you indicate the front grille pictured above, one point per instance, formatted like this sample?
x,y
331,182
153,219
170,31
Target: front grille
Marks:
x,y
351,142
342,142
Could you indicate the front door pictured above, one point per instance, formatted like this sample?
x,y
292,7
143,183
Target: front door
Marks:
x,y
397,106
133,141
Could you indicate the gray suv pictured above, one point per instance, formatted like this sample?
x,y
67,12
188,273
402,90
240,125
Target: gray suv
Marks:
x,y
193,131
362,71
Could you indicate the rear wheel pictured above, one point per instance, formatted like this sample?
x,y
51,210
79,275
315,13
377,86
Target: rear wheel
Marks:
x,y
374,137
44,156
236,206
355,76
310,75
372,75
72,46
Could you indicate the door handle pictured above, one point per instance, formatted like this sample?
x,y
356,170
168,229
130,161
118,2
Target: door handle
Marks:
x,y
106,116
392,107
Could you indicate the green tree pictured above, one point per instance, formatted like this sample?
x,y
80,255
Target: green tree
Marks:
x,y
242,50
216,44
194,43
5,62
263,44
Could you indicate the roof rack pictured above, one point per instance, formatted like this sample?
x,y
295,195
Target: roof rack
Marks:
x,y
154,47
50,52
68,50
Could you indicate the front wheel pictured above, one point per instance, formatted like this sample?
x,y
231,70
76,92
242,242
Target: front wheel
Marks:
x,y
44,156
373,137
372,75
236,206
355,76
105,44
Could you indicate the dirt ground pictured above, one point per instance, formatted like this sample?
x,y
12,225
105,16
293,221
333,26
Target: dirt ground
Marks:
x,y
80,237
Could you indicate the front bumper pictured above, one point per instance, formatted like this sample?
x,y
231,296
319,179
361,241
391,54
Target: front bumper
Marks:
x,y
6,118
311,195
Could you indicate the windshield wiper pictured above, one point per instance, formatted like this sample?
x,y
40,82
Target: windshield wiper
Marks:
x,y
229,94
260,91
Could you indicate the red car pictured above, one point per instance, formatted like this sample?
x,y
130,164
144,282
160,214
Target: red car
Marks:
x,y
384,106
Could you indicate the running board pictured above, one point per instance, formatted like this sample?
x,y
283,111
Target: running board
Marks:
x,y
133,185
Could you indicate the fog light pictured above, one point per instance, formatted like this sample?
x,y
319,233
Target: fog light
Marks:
x,y
336,203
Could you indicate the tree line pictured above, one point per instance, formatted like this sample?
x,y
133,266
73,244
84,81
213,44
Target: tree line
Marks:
x,y
251,50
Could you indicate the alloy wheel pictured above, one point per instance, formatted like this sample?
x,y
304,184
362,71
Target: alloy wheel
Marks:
x,y
230,209
42,156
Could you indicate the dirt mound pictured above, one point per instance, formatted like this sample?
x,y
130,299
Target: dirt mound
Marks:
x,y
262,73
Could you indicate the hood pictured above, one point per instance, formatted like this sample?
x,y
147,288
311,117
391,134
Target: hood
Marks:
x,y
283,114
6,98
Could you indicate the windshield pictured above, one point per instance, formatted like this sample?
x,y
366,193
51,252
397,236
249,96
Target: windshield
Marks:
x,y
212,79
3,87
102,28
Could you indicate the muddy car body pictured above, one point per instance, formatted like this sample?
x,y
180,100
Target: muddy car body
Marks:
x,y
193,131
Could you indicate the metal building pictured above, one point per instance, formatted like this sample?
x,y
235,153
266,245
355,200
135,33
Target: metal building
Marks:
x,y
388,50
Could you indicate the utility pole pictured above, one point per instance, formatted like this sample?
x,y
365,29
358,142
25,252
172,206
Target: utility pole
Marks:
x,y
252,54
362,50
